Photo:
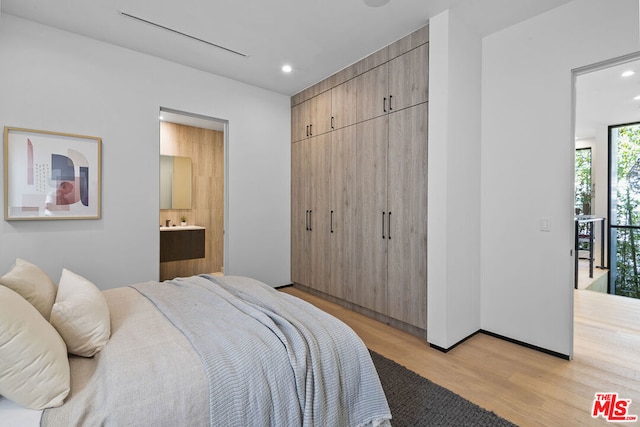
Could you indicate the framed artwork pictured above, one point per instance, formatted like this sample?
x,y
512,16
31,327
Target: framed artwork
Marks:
x,y
50,175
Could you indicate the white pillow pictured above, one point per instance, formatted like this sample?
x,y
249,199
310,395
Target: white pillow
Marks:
x,y
81,315
33,284
34,368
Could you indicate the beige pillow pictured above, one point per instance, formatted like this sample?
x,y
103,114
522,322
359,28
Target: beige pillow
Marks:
x,y
33,284
34,368
81,315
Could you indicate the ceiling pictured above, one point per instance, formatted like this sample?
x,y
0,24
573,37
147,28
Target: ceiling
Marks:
x,y
604,97
316,37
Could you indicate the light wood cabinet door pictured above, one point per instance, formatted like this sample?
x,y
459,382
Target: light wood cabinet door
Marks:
x,y
320,114
371,208
300,121
342,215
407,195
371,93
320,172
300,206
408,78
343,105
311,118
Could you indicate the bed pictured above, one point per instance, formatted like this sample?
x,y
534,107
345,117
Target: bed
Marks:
x,y
210,350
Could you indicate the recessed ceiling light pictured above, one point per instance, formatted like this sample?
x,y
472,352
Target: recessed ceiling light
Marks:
x,y
628,73
286,68
636,98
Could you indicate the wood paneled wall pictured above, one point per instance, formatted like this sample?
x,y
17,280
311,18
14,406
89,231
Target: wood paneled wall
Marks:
x,y
206,149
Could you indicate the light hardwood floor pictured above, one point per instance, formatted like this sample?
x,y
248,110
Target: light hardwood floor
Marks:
x,y
525,386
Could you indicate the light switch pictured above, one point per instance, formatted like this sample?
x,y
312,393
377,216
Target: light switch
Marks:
x,y
545,224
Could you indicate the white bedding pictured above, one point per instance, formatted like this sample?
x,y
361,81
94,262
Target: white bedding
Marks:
x,y
151,372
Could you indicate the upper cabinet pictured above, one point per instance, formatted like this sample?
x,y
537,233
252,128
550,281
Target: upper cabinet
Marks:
x,y
311,117
393,85
372,90
343,105
320,114
406,86
300,121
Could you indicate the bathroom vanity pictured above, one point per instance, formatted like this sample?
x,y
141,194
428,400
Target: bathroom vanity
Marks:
x,y
182,242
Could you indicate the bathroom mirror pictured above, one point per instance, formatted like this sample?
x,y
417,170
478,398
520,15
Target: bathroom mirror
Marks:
x,y
175,182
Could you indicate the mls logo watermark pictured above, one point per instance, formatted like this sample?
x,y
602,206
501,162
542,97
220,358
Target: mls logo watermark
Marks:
x,y
612,408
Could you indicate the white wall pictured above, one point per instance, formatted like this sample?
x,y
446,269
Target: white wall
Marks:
x,y
526,164
58,81
453,244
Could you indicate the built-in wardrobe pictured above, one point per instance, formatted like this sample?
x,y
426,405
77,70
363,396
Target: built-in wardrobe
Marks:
x,y
359,185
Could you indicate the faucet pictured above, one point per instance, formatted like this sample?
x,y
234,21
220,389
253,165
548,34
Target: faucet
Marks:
x,y
166,223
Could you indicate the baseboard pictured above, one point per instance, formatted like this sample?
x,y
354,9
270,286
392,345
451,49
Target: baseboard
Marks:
x,y
524,344
421,333
395,323
502,337
446,350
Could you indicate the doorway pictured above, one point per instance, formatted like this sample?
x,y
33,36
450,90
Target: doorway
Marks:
x,y
606,94
200,142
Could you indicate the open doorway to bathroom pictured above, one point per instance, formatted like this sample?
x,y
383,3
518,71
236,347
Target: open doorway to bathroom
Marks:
x,y
192,194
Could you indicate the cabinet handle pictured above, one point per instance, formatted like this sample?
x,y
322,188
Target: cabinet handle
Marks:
x,y
311,130
332,127
389,225
390,108
332,221
307,130
310,221
384,104
306,220
383,226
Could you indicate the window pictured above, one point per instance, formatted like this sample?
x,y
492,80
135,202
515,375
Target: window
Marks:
x,y
624,208
583,181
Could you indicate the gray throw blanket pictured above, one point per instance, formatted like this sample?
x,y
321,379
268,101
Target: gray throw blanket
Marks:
x,y
271,358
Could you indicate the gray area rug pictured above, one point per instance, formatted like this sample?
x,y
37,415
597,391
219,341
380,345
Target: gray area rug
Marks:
x,y
416,401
